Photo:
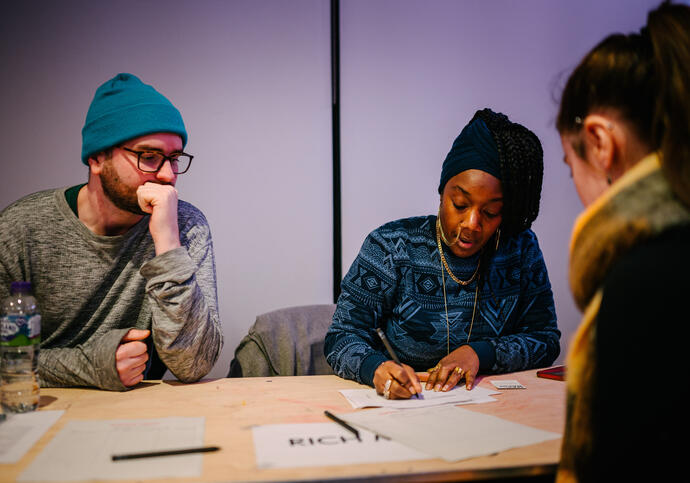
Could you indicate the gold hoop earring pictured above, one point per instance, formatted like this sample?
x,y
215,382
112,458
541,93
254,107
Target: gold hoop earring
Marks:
x,y
443,235
498,238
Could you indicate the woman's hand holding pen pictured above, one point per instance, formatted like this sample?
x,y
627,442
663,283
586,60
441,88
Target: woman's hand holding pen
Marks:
x,y
404,382
462,362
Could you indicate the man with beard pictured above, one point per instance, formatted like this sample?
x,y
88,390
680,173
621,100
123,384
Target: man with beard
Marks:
x,y
123,272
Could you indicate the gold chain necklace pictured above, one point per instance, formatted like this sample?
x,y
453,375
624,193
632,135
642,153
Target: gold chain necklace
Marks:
x,y
461,282
445,303
443,258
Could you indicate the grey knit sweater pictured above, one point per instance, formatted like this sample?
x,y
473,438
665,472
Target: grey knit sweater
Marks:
x,y
92,289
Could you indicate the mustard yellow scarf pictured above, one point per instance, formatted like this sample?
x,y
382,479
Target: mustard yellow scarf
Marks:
x,y
639,206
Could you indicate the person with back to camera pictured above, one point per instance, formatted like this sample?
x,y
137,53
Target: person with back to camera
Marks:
x,y
459,293
624,122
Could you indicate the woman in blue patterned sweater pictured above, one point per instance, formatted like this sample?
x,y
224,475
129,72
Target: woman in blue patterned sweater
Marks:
x,y
458,293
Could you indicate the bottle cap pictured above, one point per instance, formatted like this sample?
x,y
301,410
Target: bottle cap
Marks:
x,y
20,287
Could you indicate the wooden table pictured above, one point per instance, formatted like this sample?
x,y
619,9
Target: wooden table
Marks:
x,y
232,406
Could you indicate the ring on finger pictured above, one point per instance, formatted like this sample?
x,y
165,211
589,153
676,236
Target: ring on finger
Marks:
x,y
458,370
435,368
387,389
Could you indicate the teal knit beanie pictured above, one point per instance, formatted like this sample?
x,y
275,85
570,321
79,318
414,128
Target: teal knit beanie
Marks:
x,y
125,108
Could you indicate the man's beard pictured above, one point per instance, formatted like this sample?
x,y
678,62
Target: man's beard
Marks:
x,y
121,195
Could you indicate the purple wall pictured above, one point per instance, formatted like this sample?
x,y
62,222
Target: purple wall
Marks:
x,y
414,73
252,79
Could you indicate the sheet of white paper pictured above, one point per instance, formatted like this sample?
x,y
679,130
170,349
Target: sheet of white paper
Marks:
x,y
448,432
19,432
82,450
364,398
323,444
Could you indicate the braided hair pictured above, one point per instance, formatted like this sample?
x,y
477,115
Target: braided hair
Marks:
x,y
521,159
522,169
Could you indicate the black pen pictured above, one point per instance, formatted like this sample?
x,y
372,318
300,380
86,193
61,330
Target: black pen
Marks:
x,y
335,418
172,452
390,350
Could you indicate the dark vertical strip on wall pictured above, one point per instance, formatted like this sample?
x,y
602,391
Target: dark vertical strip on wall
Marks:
x,y
335,101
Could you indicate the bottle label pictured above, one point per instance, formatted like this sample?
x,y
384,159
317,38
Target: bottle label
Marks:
x,y
19,330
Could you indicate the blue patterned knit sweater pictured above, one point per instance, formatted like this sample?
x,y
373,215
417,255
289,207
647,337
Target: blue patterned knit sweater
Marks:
x,y
395,283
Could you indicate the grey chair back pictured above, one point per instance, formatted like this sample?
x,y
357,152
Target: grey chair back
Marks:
x,y
285,342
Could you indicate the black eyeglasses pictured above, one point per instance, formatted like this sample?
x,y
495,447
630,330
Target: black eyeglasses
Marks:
x,y
152,161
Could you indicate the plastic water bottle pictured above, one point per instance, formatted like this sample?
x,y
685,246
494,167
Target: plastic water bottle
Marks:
x,y
19,343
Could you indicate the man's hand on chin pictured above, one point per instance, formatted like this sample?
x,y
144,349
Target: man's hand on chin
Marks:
x,y
160,200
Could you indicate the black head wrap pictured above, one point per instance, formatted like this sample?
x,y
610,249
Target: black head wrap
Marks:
x,y
474,148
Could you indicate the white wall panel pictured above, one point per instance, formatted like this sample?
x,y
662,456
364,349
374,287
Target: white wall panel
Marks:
x,y
252,80
413,74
